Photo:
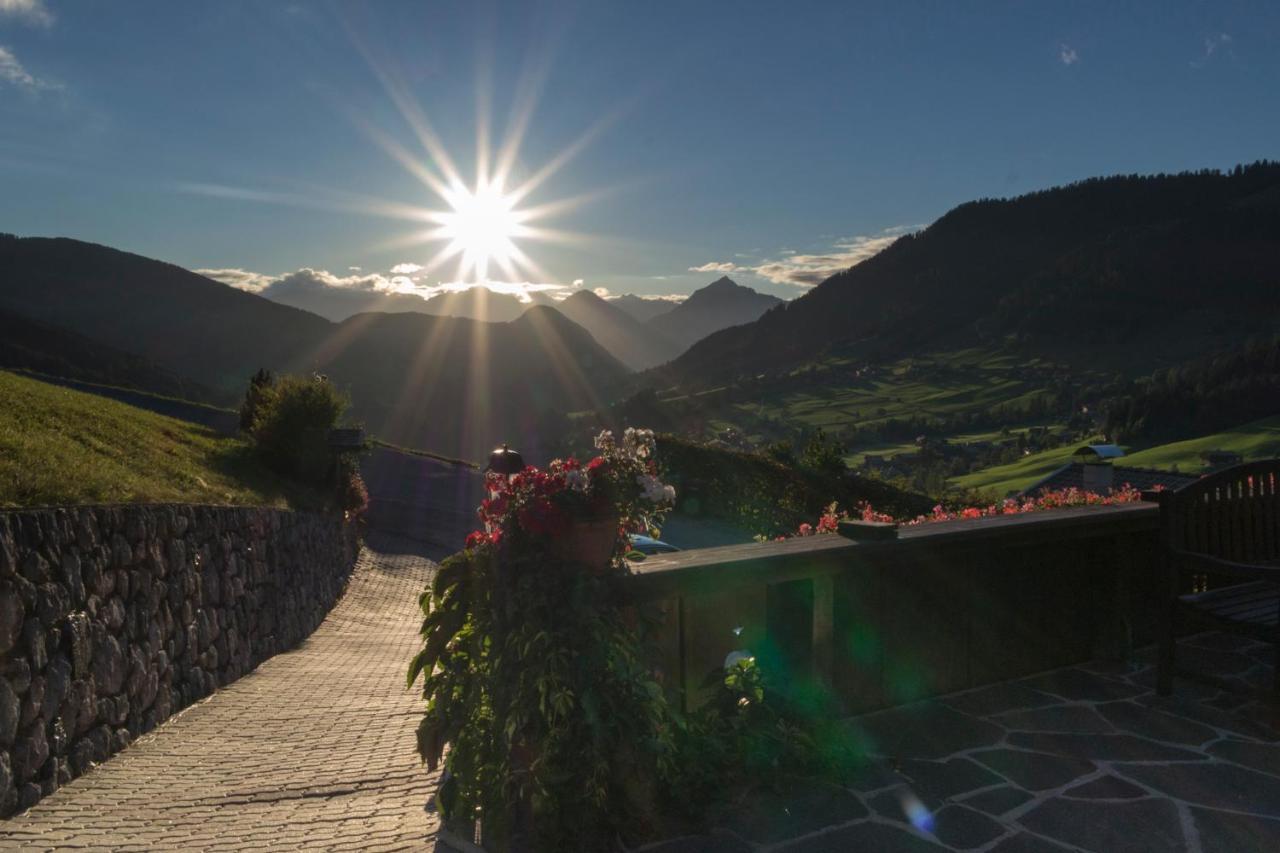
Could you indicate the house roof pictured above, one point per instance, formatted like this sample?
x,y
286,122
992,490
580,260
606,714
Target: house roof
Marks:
x,y
1071,475
1101,451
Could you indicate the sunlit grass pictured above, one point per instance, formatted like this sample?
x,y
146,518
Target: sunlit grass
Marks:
x,y
59,446
999,480
1255,440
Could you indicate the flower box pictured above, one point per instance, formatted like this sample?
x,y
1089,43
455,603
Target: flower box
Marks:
x,y
867,531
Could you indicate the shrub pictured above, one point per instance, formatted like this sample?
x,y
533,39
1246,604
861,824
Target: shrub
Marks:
x,y
290,422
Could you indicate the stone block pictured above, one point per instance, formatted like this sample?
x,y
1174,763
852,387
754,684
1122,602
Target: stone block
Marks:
x,y
10,713
108,665
30,752
12,615
73,578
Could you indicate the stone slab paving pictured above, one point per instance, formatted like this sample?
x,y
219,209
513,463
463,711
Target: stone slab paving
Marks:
x,y
314,749
1084,758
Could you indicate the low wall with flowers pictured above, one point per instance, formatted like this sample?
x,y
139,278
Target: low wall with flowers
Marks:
x,y
943,606
112,618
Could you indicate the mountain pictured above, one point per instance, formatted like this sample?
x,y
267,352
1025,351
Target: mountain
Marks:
x,y
309,292
1123,273
28,345
191,325
643,309
719,305
636,345
455,385
461,386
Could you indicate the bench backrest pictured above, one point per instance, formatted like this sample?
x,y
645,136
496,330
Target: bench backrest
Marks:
x,y
1233,514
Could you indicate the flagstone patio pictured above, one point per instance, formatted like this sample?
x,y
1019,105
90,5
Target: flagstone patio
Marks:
x,y
1083,758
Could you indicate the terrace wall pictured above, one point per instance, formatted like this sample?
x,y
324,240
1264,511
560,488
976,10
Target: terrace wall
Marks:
x,y
944,607
112,618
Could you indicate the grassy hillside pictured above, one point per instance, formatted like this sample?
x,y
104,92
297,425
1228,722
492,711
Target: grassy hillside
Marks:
x,y
1257,440
1016,476
59,446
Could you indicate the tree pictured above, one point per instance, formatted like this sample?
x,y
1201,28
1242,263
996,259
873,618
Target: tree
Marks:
x,y
261,388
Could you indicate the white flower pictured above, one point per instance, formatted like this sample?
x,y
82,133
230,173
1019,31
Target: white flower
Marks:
x,y
604,441
654,489
577,479
736,656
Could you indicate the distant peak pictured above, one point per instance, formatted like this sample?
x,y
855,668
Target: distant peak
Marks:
x,y
723,283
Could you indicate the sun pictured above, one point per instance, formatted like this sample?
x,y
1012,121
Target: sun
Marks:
x,y
481,226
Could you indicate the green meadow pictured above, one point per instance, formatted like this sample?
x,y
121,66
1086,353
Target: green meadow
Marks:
x,y
59,446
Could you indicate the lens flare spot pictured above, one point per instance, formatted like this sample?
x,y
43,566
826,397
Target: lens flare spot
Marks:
x,y
916,813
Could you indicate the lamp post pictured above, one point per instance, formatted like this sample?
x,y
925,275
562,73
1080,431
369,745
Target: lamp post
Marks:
x,y
504,460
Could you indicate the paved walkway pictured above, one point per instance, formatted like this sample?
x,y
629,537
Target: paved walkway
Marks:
x,y
1083,758
314,749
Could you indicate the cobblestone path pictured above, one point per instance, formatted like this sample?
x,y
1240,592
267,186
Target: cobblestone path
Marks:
x,y
314,749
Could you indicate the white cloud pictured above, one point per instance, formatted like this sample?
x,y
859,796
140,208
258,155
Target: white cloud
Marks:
x,y
339,296
602,292
1068,55
654,297
1213,44
577,282
30,11
405,269
808,270
354,269
12,72
238,278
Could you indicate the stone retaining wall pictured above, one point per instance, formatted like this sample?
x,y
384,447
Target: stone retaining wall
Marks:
x,y
113,618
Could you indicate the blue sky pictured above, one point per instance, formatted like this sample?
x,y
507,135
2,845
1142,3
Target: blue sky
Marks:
x,y
773,141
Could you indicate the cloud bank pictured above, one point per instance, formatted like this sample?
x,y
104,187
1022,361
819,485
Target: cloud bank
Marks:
x,y
29,11
807,270
337,297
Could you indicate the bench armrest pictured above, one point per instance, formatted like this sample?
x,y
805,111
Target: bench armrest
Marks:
x,y
1190,561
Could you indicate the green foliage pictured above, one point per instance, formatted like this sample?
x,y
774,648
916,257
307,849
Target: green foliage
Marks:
x,y
1207,395
537,679
59,446
558,731
290,422
823,455
261,391
763,496
755,731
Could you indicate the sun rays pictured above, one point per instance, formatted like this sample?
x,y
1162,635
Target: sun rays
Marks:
x,y
480,227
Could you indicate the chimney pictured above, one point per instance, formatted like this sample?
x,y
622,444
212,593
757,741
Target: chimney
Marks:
x,y
1098,477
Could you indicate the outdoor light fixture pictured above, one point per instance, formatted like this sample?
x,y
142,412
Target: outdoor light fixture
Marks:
x,y
504,460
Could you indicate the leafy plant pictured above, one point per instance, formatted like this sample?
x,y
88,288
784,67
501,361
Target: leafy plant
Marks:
x,y
538,679
289,421
557,730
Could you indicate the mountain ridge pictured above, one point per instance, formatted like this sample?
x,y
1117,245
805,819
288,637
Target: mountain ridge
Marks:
x,y
394,364
1144,269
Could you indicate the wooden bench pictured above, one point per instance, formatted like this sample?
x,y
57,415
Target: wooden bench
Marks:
x,y
1224,527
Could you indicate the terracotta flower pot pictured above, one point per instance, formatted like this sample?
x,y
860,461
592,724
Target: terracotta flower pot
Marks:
x,y
590,543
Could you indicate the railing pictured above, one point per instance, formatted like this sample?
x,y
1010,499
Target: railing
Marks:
x,y
945,606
